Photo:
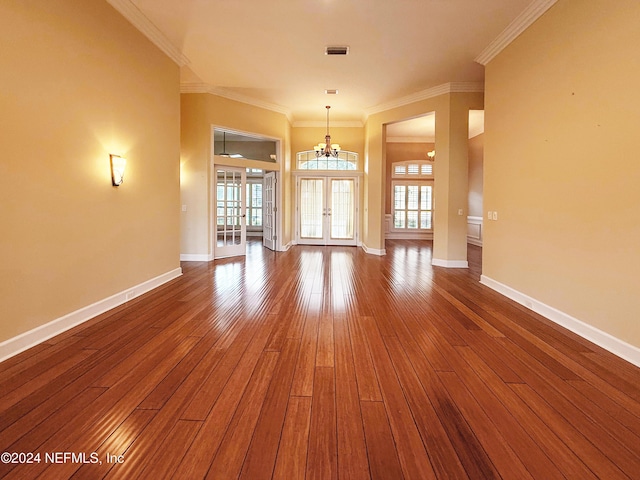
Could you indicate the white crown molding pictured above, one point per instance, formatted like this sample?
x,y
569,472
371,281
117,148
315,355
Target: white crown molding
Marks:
x,y
129,11
614,345
311,123
26,340
194,87
466,87
238,97
453,87
514,29
445,88
417,139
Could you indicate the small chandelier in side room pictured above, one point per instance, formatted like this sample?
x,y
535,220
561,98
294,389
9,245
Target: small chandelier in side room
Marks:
x,y
327,149
431,155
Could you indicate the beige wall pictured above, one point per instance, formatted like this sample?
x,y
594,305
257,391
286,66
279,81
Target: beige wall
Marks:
x,y
349,138
199,113
79,82
561,164
476,156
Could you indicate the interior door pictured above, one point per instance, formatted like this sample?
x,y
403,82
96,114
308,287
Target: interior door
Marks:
x,y
327,211
269,210
230,224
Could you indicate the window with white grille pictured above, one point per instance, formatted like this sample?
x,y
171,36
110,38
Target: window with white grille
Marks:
x,y
412,190
344,161
254,203
412,169
413,206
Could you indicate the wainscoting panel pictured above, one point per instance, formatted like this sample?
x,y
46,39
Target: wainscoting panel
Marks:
x,y
474,230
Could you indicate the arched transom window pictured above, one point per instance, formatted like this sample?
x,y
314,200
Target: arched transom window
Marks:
x,y
344,161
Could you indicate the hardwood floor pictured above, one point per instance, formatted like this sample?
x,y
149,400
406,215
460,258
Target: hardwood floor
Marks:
x,y
321,363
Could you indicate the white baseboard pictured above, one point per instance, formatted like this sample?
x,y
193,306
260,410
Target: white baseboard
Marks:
x,y
614,345
195,257
374,251
26,340
437,262
408,236
474,241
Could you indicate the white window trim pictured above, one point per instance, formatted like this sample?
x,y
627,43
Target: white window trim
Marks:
x,y
251,181
412,176
407,182
312,154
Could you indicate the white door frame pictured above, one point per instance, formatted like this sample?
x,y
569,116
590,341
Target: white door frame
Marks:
x,y
328,176
232,250
274,212
216,160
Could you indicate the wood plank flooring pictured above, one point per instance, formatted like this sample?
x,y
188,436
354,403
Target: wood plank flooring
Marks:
x,y
321,363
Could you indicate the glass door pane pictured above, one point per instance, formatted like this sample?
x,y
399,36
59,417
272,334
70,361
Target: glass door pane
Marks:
x,y
341,210
230,212
311,208
399,206
268,222
327,211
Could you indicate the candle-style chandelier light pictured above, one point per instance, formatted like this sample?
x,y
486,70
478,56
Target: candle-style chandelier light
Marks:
x,y
327,149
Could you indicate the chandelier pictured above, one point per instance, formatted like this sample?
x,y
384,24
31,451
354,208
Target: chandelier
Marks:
x,y
327,149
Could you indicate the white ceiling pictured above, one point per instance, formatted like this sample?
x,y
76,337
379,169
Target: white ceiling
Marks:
x,y
273,52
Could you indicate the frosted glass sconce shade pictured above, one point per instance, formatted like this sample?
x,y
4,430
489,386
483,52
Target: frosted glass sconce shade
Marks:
x,y
118,165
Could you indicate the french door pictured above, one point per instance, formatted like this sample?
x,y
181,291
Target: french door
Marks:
x,y
326,210
230,225
269,210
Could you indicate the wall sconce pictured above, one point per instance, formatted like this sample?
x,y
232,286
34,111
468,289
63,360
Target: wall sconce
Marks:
x,y
118,164
431,155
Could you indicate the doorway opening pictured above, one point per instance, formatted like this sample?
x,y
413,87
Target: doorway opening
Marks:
x,y
327,198
244,192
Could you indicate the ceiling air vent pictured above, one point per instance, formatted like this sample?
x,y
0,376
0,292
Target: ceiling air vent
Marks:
x,y
336,51
331,91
